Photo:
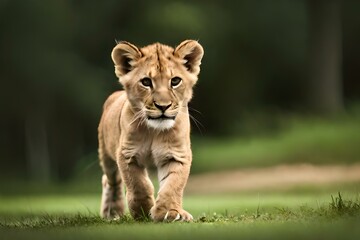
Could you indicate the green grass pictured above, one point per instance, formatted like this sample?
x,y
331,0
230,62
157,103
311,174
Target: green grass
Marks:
x,y
258,230
317,141
284,215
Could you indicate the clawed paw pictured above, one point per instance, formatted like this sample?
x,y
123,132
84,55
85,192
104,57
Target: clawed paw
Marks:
x,y
172,215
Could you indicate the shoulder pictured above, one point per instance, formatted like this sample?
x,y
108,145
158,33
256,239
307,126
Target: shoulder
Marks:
x,y
117,97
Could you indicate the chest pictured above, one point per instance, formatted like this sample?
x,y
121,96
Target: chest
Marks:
x,y
148,150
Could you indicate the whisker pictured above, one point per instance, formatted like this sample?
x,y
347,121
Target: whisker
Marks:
x,y
195,110
196,120
197,123
142,121
134,118
137,116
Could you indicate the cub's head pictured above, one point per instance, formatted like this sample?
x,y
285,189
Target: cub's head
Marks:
x,y
158,79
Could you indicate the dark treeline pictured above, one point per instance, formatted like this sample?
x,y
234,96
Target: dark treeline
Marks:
x,y
283,55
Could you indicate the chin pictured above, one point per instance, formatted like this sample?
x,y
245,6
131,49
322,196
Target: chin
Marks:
x,y
160,124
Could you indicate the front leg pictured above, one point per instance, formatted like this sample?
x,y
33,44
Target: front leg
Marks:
x,y
173,175
139,189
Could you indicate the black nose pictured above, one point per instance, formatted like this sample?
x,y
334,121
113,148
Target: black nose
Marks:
x,y
162,107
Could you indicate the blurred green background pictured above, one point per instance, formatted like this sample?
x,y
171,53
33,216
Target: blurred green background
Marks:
x,y
279,81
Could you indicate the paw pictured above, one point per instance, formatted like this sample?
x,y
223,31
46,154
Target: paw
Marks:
x,y
174,215
171,215
112,205
111,211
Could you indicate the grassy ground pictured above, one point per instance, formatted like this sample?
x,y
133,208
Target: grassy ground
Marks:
x,y
316,141
297,214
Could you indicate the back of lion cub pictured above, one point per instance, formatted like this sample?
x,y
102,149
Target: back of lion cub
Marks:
x,y
148,124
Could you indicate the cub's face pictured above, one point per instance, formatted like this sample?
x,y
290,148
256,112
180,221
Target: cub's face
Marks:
x,y
158,79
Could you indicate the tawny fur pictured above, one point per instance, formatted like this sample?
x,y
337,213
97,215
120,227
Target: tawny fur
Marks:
x,y
132,137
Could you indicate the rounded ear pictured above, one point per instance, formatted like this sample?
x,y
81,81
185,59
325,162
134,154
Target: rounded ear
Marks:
x,y
124,56
191,52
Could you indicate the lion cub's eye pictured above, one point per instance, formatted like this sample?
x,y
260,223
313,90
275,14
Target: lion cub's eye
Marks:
x,y
175,81
146,82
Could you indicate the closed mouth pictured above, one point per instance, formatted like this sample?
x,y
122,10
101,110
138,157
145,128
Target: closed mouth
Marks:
x,y
161,117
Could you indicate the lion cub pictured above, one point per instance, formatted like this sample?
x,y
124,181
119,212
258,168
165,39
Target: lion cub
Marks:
x,y
148,124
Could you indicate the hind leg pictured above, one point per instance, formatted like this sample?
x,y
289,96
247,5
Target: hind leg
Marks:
x,y
112,202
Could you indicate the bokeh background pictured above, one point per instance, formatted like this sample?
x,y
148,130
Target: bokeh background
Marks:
x,y
279,82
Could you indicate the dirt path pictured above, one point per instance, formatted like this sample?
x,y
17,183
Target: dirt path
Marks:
x,y
279,177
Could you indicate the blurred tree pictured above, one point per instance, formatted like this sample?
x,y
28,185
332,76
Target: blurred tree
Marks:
x,y
52,91
56,69
325,56
351,50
